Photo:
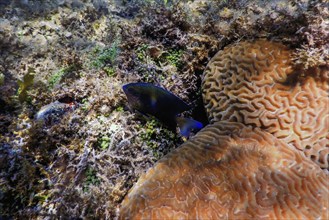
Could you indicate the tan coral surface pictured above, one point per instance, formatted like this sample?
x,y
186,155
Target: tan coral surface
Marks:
x,y
262,155
230,171
255,83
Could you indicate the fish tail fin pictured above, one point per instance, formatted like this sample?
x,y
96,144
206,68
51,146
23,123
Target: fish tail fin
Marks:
x,y
188,125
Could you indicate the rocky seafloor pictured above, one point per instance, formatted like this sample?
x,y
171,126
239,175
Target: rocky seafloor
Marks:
x,y
82,163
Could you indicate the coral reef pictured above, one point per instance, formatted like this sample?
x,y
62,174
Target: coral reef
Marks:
x,y
228,171
258,85
83,165
269,132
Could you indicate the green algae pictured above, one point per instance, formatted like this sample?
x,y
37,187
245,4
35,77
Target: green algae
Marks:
x,y
104,142
110,71
119,109
25,84
173,57
152,133
91,179
141,52
104,56
2,79
59,75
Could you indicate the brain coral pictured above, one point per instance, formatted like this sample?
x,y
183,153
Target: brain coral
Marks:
x,y
231,171
262,154
255,83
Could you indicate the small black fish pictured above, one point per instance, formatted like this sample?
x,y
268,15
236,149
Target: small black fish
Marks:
x,y
152,100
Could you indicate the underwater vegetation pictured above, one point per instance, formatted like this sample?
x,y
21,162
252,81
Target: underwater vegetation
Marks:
x,y
25,84
105,55
68,60
56,78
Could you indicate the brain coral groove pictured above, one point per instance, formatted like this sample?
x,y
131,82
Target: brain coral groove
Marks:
x,y
229,170
258,85
262,154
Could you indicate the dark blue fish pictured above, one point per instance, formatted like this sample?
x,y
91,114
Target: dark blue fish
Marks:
x,y
152,100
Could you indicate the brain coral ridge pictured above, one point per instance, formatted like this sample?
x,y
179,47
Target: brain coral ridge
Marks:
x,y
262,154
255,83
230,171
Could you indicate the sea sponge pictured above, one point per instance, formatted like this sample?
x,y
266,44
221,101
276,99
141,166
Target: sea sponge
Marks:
x,y
230,171
256,83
